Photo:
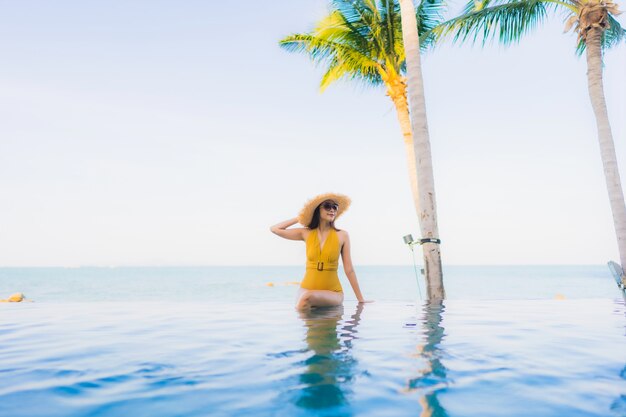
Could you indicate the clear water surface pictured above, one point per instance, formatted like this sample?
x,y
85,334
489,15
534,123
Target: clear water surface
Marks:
x,y
509,341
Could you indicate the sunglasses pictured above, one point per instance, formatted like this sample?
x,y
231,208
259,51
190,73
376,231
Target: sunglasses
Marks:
x,y
328,206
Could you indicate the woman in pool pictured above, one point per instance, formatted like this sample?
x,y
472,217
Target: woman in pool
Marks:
x,y
324,243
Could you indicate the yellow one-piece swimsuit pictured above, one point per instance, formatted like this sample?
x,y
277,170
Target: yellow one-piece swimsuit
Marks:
x,y
322,263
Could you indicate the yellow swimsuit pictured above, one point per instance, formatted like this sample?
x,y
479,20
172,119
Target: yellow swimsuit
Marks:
x,y
322,263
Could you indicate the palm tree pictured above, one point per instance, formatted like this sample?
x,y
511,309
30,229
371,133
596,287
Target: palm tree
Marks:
x,y
361,40
597,30
426,206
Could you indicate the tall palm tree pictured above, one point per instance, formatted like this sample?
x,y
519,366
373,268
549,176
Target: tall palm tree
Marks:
x,y
594,22
361,40
426,206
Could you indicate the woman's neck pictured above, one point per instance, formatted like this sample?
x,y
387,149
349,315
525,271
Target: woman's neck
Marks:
x,y
324,226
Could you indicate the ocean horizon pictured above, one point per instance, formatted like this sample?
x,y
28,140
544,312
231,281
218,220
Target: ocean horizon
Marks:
x,y
272,283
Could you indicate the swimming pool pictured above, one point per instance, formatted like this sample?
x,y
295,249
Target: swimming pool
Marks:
x,y
539,357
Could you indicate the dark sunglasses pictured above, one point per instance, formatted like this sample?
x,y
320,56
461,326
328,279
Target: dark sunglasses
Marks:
x,y
328,206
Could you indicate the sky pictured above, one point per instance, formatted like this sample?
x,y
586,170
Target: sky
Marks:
x,y
165,133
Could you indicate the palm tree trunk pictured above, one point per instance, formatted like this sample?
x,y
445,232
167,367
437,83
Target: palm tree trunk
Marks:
x,y
425,205
607,147
396,90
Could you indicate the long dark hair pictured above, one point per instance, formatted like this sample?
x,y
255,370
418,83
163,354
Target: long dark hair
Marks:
x,y
315,221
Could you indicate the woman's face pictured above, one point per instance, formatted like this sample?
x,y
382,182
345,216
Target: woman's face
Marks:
x,y
328,210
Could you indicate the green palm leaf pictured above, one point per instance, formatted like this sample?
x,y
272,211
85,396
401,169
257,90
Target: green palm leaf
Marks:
x,y
341,58
362,39
614,34
429,14
508,22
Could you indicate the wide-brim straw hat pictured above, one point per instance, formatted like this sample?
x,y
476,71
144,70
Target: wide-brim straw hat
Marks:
x,y
306,214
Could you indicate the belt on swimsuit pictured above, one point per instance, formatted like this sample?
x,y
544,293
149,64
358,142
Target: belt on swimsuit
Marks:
x,y
321,266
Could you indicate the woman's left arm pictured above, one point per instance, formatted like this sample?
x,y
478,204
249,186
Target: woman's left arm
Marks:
x,y
349,269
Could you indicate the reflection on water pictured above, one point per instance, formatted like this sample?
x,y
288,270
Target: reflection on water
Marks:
x,y
328,375
432,378
618,407
546,358
329,372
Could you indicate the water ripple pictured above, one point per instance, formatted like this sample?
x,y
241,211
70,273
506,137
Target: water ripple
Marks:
x,y
513,358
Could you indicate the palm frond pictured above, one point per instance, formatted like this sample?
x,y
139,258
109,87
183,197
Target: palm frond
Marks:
x,y
614,34
475,5
389,16
429,14
336,72
321,50
359,33
343,60
362,39
358,13
333,74
507,21
361,20
580,46
336,29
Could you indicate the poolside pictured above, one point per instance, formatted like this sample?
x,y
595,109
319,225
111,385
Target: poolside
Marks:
x,y
389,358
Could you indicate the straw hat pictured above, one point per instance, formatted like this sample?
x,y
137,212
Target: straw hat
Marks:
x,y
306,214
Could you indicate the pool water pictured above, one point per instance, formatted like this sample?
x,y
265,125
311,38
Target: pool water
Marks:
x,y
474,357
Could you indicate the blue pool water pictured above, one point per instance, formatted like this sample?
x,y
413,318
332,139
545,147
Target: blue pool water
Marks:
x,y
220,342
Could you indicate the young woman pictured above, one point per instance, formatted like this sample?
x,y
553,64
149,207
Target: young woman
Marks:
x,y
324,243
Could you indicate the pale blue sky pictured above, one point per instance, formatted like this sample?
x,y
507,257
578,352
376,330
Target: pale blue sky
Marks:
x,y
176,133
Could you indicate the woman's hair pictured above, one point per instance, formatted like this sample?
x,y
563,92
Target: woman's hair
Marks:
x,y
315,221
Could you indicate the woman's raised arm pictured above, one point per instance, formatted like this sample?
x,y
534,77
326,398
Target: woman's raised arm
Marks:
x,y
281,230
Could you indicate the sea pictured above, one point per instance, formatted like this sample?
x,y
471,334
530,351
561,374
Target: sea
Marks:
x,y
227,341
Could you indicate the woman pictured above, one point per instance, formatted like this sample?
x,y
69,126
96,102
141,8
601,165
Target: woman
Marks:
x,y
324,243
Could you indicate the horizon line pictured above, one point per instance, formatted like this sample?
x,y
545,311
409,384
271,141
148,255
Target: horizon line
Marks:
x,y
283,265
